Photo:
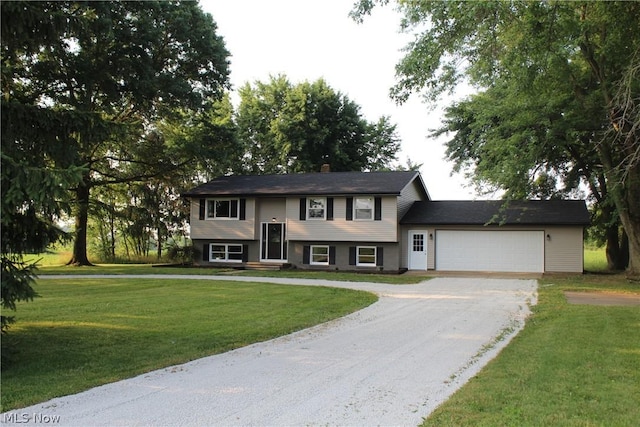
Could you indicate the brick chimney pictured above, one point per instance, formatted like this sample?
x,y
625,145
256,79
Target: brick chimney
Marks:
x,y
325,168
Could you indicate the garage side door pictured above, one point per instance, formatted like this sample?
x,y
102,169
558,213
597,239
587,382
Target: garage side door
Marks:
x,y
508,251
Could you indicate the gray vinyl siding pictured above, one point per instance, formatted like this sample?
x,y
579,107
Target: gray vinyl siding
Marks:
x,y
411,193
223,228
270,208
287,210
339,229
564,250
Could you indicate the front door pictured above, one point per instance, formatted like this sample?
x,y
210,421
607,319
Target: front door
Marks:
x,y
274,243
417,250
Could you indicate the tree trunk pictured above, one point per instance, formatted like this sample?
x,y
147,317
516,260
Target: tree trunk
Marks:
x,y
159,254
112,243
629,208
633,225
613,248
623,182
624,251
617,249
82,218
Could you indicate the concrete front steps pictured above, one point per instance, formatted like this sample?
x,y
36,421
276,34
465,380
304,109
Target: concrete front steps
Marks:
x,y
266,266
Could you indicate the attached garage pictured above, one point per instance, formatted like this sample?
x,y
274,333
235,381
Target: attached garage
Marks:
x,y
470,250
533,236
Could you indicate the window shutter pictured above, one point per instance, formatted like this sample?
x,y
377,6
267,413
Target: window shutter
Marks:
x,y
245,253
349,208
379,256
352,255
329,208
303,208
306,254
205,252
233,209
378,209
332,255
263,244
203,206
243,209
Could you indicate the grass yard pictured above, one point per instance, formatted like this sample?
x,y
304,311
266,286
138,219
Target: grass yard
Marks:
x,y
126,269
87,332
295,274
572,365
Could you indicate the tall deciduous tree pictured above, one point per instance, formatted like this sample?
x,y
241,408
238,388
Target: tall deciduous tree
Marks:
x,y
152,211
532,144
290,128
122,66
582,51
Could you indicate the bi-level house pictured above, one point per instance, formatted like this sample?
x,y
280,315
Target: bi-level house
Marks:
x,y
377,221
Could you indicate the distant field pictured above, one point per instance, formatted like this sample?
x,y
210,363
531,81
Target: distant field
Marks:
x,y
595,259
49,258
58,257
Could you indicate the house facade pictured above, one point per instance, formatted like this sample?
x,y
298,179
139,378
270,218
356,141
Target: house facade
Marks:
x,y
373,221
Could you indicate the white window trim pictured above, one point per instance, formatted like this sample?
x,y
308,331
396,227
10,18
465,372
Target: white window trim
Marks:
x,y
366,264
324,209
226,252
355,209
311,262
223,218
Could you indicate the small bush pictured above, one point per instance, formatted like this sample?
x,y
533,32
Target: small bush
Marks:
x,y
182,254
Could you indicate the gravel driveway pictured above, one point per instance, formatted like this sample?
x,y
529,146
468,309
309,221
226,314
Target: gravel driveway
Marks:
x,y
392,363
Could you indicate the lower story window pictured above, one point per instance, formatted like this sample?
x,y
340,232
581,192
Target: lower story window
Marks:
x,y
226,252
366,255
320,255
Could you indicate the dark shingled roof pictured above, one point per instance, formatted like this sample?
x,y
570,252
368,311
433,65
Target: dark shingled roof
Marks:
x,y
329,183
498,212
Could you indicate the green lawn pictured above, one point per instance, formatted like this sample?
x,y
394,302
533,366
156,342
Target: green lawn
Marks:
x,y
572,365
126,269
87,332
118,269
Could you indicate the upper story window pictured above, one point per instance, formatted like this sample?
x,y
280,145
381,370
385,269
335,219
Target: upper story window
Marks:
x,y
363,208
316,208
222,209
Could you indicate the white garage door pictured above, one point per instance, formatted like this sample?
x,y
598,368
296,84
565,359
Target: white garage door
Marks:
x,y
466,250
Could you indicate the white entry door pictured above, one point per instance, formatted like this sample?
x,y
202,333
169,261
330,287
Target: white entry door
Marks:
x,y
417,250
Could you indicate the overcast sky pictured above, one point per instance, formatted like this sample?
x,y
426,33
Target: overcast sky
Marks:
x,y
312,39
